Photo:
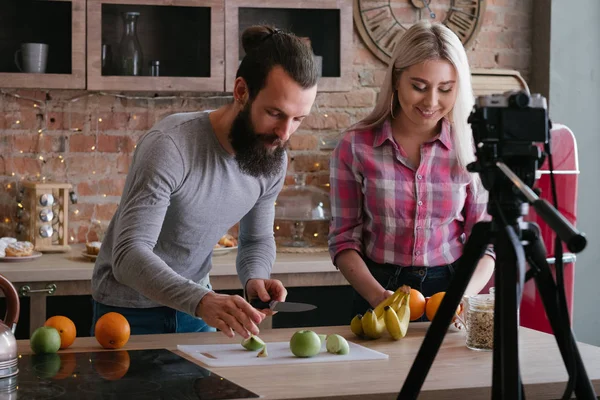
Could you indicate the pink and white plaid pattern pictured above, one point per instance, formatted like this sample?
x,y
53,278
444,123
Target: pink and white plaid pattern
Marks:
x,y
387,211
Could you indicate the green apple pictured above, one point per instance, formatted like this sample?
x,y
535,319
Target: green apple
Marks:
x,y
336,344
253,343
305,343
263,352
45,339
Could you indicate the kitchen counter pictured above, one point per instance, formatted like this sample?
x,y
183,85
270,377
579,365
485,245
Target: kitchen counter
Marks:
x,y
63,274
456,373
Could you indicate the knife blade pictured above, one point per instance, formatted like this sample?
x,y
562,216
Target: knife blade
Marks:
x,y
282,306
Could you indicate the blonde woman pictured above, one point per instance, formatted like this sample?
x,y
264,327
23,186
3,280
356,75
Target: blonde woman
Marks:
x,y
403,203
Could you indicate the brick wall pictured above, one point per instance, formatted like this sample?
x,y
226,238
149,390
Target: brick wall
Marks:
x,y
88,139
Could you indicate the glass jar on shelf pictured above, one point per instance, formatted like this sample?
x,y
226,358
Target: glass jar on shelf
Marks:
x,y
300,203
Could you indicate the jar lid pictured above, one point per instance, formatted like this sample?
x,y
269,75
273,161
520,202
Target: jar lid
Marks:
x,y
482,300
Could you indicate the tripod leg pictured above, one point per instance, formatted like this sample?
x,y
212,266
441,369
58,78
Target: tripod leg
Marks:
x,y
536,255
510,265
474,249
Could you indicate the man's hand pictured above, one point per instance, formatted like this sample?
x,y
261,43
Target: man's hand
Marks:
x,y
266,290
229,314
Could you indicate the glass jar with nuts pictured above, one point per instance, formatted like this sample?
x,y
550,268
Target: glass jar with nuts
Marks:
x,y
480,322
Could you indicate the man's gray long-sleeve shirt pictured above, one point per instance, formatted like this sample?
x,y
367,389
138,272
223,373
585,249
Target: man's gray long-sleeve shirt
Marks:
x,y
182,193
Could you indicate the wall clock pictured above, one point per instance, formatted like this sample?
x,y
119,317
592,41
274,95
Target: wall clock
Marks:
x,y
382,22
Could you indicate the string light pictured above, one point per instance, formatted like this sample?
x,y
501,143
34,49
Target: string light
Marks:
x,y
43,107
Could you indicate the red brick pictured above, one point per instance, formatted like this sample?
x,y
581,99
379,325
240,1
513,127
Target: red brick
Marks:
x,y
81,143
371,77
77,120
56,121
27,143
105,212
514,60
52,143
482,59
364,57
56,168
111,187
299,141
123,163
87,188
139,121
81,211
26,166
115,144
326,120
31,94
83,165
310,162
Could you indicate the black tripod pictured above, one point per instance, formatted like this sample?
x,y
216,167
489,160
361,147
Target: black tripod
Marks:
x,y
506,232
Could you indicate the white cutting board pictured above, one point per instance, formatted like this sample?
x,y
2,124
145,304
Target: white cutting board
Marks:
x,y
234,355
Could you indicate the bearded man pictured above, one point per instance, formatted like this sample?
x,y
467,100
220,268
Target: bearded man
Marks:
x,y
192,177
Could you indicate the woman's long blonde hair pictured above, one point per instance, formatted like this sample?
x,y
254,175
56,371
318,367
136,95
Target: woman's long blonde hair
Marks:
x,y
425,41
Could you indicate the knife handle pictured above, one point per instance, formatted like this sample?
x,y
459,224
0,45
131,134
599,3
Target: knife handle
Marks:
x,y
259,304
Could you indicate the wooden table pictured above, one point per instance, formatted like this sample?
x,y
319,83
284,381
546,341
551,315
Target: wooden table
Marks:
x,y
456,373
64,274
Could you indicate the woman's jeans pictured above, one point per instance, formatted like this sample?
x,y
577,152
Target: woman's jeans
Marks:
x,y
427,280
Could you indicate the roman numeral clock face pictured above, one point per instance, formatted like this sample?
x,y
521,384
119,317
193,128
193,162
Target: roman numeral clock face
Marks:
x,y
382,22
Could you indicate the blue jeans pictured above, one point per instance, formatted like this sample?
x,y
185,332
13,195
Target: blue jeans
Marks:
x,y
427,280
144,321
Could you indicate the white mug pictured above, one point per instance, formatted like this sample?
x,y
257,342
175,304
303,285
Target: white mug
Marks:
x,y
35,57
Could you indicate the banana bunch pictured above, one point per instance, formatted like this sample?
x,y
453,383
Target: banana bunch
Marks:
x,y
392,314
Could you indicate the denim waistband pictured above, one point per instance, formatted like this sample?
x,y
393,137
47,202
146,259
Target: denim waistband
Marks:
x,y
433,272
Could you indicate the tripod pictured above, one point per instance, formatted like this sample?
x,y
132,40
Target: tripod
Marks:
x,y
506,231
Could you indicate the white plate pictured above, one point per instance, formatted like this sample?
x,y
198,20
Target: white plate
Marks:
x,y
91,257
33,255
221,251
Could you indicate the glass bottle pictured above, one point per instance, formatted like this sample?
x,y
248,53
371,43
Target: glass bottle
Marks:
x,y
130,50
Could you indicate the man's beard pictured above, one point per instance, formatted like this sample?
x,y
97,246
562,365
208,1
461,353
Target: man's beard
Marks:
x,y
251,152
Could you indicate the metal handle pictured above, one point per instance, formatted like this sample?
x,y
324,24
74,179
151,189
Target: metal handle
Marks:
x,y
26,290
567,258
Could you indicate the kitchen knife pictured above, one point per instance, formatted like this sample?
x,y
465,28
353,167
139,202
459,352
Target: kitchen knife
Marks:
x,y
281,306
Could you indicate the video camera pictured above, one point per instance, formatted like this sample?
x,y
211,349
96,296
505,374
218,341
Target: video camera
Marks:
x,y
512,128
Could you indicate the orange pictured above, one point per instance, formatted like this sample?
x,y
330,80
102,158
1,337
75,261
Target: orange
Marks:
x,y
112,365
416,304
65,327
433,303
112,330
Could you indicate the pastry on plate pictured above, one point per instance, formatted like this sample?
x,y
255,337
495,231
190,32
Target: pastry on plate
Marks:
x,y
19,249
93,248
227,241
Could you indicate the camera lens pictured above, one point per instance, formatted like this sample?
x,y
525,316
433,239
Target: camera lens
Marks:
x,y
519,100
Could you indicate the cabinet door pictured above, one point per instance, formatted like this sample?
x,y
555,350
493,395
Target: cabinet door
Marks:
x,y
327,23
42,44
180,41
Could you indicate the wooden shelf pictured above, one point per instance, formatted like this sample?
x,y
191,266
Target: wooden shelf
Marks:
x,y
58,23
328,24
186,36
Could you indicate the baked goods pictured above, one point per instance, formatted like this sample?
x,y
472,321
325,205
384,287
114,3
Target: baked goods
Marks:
x,y
19,249
226,241
93,248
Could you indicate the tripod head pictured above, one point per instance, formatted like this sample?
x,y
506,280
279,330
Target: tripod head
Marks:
x,y
507,128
